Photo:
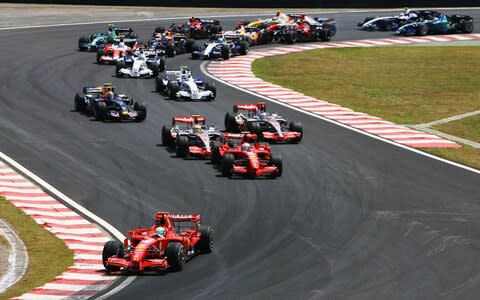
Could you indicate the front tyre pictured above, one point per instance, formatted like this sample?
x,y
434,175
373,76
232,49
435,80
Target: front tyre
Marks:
x,y
112,248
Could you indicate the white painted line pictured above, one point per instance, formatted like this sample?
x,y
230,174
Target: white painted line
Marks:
x,y
31,296
67,275
54,229
84,247
17,263
80,266
68,236
52,213
74,287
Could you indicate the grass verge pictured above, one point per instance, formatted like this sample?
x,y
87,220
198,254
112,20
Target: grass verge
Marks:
x,y
405,85
48,255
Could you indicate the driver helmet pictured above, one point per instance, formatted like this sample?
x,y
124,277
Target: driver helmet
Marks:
x,y
197,128
141,55
160,232
407,11
110,96
245,147
121,44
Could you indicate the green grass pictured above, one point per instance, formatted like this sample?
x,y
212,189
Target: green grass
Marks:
x,y
468,128
48,255
405,85
3,241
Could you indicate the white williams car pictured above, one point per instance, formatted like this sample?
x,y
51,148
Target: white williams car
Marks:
x,y
180,84
137,67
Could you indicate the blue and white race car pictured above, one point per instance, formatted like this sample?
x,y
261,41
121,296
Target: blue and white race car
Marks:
x,y
224,46
180,84
439,24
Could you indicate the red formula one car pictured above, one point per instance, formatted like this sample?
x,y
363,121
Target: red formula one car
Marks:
x,y
197,28
242,154
165,246
114,52
268,126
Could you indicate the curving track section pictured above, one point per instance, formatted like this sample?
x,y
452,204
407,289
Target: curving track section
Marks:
x,y
352,217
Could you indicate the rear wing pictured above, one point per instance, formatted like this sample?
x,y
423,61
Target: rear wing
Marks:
x,y
93,90
240,136
184,218
189,119
259,106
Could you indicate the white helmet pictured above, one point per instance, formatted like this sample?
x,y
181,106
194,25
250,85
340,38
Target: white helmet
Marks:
x,y
160,232
245,147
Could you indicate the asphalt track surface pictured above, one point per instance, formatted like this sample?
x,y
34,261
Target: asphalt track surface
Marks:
x,y
351,217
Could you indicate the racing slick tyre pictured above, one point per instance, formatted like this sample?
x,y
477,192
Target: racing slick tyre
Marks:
x,y
159,29
99,56
467,27
172,89
225,52
120,65
276,160
189,46
296,127
254,127
210,86
385,25
155,69
216,157
206,242
159,86
290,37
99,111
324,35
170,50
141,111
421,30
243,48
231,123
167,136
227,164
112,248
83,40
181,146
79,104
161,64
175,254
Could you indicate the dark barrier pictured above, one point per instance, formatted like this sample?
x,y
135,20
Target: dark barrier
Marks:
x,y
266,4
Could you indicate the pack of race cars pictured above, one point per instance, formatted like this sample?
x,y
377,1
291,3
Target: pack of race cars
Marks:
x,y
242,148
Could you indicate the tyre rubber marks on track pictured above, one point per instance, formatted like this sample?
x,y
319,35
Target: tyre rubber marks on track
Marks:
x,y
237,71
86,276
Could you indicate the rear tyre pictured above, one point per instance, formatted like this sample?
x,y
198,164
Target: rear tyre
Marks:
x,y
155,69
231,123
118,67
173,88
79,103
216,157
276,160
421,30
206,243
225,52
170,50
141,110
160,29
227,164
181,146
99,56
175,255
112,248
243,48
324,35
99,111
468,27
210,86
159,86
166,136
